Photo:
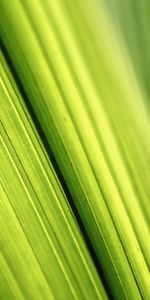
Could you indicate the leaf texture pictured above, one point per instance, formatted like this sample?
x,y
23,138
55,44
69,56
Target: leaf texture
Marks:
x,y
83,88
42,250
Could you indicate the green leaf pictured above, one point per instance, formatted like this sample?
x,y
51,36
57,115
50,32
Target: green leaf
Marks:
x,y
43,255
84,91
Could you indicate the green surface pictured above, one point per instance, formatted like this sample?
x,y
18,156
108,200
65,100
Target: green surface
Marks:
x,y
84,87
42,251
